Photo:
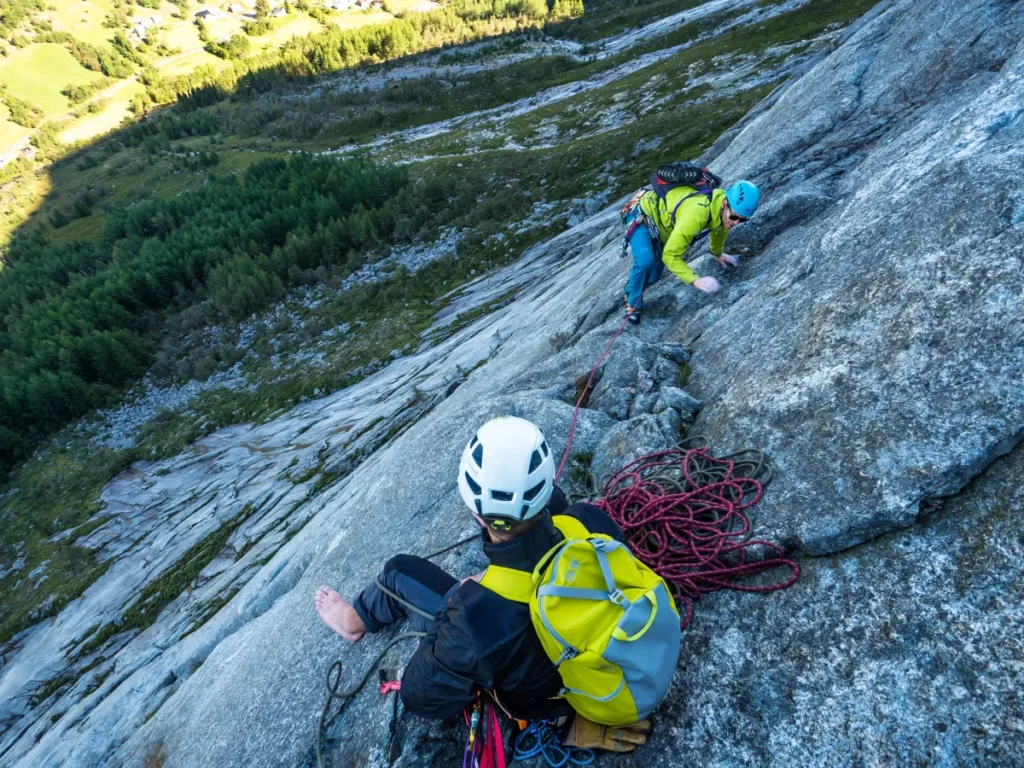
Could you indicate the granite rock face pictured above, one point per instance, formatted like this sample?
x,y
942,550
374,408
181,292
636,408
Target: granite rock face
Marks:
x,y
627,442
877,344
871,342
905,651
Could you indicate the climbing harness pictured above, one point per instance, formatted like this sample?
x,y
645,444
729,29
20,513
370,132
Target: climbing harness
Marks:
x,y
541,738
485,747
640,220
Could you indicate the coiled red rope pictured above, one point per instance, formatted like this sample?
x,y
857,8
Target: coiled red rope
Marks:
x,y
684,515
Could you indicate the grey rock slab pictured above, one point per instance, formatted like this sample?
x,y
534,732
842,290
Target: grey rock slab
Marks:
x,y
627,441
671,425
665,372
874,350
678,399
903,651
642,404
615,403
879,359
675,352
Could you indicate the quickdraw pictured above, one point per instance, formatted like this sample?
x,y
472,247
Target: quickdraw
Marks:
x,y
485,747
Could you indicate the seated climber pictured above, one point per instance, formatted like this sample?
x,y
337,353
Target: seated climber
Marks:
x,y
666,218
476,639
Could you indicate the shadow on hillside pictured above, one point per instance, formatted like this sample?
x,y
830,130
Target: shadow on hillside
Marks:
x,y
77,199
84,307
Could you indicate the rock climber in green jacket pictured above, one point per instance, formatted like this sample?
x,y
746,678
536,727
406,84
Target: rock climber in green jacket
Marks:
x,y
661,229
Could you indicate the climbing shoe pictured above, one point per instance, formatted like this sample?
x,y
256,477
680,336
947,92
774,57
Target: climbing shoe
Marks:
x,y
633,316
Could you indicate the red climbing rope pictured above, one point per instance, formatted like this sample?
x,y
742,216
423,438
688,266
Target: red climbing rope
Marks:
x,y
683,513
583,394
698,537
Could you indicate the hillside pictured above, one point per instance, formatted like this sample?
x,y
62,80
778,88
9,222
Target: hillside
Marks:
x,y
324,343
47,66
238,317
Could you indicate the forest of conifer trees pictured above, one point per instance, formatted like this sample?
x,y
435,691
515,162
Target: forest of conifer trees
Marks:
x,y
81,318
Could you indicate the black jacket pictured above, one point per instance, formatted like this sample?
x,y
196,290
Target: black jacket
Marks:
x,y
482,640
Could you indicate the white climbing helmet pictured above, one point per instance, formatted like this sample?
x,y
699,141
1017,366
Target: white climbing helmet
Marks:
x,y
507,473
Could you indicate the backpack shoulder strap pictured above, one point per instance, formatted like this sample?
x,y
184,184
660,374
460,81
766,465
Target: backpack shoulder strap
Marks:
x,y
511,584
519,586
707,192
570,527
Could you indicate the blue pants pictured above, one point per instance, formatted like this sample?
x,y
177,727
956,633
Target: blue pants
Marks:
x,y
647,265
414,579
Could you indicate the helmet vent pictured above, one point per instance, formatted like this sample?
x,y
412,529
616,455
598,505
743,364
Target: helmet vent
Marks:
x,y
479,508
525,509
478,456
535,461
474,486
531,494
501,495
474,441
544,447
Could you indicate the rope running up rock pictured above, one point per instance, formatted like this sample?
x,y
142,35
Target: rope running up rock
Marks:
x,y
684,514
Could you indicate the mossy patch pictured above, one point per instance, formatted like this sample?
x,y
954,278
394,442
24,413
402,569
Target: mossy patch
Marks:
x,y
156,595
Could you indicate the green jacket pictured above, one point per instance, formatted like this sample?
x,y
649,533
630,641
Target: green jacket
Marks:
x,y
693,216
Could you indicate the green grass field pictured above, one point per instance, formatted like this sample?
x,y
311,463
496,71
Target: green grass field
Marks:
x,y
111,117
82,18
191,61
9,132
38,73
295,25
355,18
181,35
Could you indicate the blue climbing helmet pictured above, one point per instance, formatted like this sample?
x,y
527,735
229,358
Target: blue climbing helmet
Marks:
x,y
743,197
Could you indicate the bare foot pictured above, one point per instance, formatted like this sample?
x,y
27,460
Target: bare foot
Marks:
x,y
339,615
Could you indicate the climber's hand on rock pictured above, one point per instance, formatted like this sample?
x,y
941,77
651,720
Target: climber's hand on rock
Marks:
x,y
706,284
727,260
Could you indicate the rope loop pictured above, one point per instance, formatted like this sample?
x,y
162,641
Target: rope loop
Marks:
x,y
540,738
684,515
334,682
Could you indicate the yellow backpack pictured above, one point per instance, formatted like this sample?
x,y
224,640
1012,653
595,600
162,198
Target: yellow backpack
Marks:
x,y
606,620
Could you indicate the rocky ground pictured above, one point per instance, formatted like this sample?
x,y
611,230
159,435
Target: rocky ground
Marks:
x,y
871,342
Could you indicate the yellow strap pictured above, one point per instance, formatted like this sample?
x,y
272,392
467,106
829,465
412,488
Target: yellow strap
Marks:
x,y
519,586
570,527
511,584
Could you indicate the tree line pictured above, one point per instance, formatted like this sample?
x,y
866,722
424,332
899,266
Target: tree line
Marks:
x,y
334,48
81,319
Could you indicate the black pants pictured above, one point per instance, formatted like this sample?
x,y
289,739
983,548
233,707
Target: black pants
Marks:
x,y
416,581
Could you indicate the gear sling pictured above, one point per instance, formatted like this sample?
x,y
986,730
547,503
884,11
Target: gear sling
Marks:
x,y
606,621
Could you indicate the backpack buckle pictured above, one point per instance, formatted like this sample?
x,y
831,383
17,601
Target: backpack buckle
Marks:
x,y
568,654
619,598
